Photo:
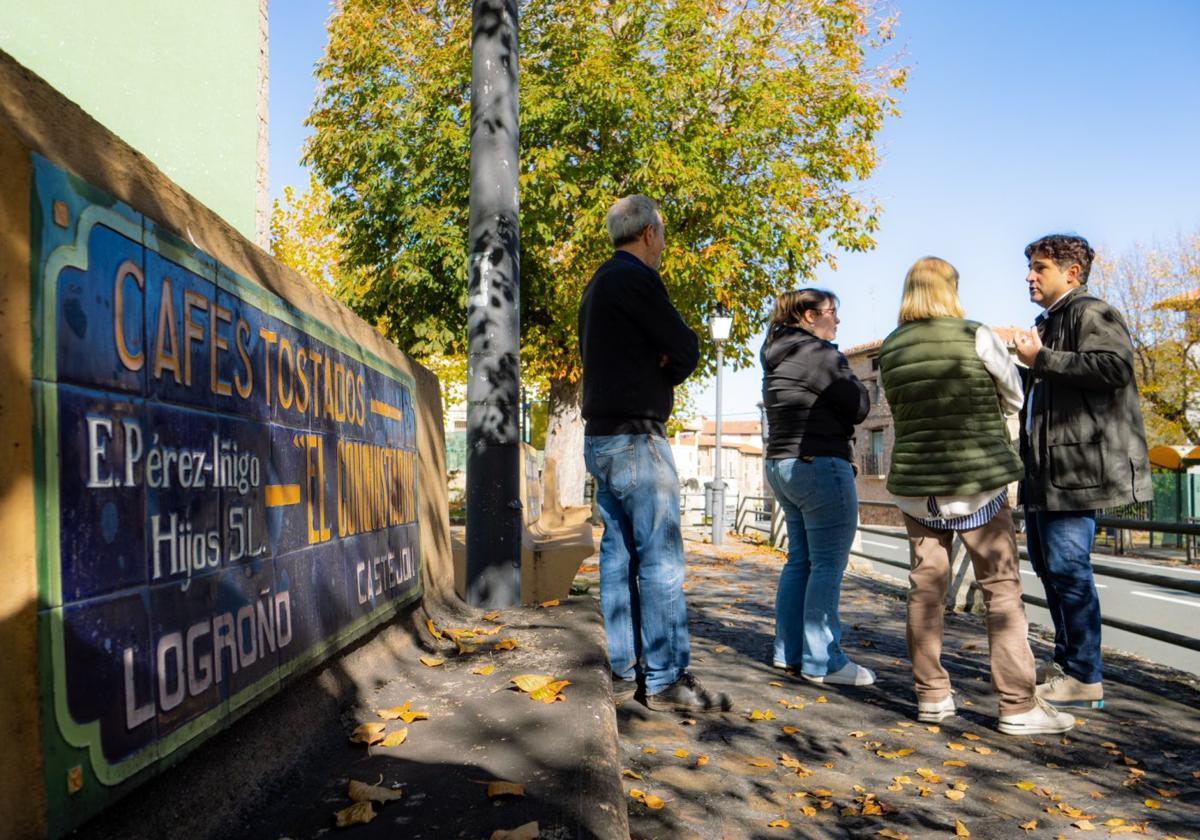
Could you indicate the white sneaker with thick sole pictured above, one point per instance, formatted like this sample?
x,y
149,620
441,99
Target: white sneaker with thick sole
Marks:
x,y
940,710
1042,719
848,674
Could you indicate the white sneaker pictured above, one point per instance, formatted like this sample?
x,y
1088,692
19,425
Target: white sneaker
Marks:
x,y
940,710
1047,670
1042,719
848,674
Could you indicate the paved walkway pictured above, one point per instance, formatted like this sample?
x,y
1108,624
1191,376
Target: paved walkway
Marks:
x,y
855,763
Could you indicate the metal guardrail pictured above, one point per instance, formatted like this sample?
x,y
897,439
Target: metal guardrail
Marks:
x,y
745,521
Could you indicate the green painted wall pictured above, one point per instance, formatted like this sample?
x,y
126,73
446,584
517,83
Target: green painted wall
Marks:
x,y
176,79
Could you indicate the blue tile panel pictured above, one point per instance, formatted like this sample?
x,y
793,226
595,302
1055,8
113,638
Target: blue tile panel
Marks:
x,y
227,486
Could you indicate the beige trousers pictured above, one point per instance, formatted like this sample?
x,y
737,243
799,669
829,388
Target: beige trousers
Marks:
x,y
993,552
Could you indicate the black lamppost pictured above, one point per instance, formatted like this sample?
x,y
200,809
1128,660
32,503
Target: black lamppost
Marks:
x,y
720,322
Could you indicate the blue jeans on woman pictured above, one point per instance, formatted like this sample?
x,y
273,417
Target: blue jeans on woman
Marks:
x,y
641,557
820,507
1060,551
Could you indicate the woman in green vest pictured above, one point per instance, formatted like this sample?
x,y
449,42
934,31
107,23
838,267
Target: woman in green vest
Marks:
x,y
949,383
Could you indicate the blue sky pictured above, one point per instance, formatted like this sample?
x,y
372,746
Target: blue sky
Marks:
x,y
1020,118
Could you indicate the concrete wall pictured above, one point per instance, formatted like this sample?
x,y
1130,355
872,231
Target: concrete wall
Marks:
x,y
180,82
62,175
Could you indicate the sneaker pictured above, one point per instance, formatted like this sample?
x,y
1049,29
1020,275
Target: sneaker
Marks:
x,y
687,695
1042,719
1065,690
1047,670
936,711
848,674
623,690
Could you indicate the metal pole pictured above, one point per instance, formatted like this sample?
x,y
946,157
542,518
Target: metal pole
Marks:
x,y
718,520
493,304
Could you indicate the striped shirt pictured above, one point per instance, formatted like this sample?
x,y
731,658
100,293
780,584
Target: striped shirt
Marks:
x,y
977,519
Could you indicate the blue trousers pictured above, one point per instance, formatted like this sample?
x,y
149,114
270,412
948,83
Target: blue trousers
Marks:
x,y
641,557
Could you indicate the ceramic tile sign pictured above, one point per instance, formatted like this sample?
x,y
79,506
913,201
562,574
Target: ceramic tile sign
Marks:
x,y
227,491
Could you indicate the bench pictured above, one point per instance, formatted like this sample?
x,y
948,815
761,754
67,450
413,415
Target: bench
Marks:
x,y
554,540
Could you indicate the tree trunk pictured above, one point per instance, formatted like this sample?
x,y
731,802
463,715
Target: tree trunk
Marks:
x,y
564,440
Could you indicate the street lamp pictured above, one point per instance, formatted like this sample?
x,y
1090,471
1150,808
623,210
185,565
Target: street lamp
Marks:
x,y
720,321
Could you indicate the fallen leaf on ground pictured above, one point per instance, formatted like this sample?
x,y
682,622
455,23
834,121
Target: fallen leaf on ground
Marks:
x,y
491,616
1114,822
756,714
648,799
545,605
822,699
960,829
953,762
822,792
395,739
775,684
778,824
479,631
928,775
808,811
719,649
404,713
631,774
363,792
1084,825
505,644
858,733
701,760
436,633
955,795
790,730
483,670
934,729
1029,826
368,733
892,835
550,692
649,750
983,750
1152,803
1025,785
955,747
529,831
531,682
356,814
759,762
970,736
681,753
503,788
432,662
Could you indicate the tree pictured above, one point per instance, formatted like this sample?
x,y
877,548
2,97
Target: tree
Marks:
x,y
751,122
1157,288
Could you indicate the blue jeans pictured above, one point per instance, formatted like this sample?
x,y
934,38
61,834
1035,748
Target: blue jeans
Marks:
x,y
820,506
641,557
1060,551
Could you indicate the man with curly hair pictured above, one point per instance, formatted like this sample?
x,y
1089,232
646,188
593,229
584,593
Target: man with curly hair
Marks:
x,y
1084,449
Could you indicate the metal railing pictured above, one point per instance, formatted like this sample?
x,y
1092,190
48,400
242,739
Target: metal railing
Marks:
x,y
873,464
754,511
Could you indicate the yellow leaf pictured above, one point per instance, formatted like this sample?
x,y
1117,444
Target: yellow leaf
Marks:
x,y
858,733
934,729
756,714
903,780
463,647
822,792
808,811
970,736
871,809
545,605
491,616
395,739
960,829
960,786
1084,825
549,692
630,774
956,747
503,788
368,733
775,684
904,752
759,762
479,631
681,753
363,792
983,750
505,644
1152,803
892,835
719,649
928,775
1069,811
433,631
458,633
648,799
1029,826
778,824
701,760
483,670
790,730
1025,785
1114,822
394,712
822,699
432,662
529,831
953,763
955,794
531,682
356,814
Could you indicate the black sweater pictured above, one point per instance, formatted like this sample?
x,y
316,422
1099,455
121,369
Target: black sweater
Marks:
x,y
626,326
812,399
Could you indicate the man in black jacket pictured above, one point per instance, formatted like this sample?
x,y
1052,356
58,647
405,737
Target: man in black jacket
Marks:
x,y
636,349
1084,449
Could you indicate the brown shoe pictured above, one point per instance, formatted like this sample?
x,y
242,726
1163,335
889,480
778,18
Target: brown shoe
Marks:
x,y
686,694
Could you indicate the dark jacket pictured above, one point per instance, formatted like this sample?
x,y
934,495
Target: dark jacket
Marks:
x,y
1086,448
626,326
812,400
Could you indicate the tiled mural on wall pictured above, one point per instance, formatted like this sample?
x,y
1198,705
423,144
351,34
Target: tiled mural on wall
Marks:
x,y
227,492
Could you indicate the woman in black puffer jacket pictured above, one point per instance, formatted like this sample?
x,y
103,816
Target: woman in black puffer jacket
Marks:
x,y
813,402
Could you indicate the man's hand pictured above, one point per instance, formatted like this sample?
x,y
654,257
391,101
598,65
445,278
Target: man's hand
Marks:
x,y
662,360
1028,345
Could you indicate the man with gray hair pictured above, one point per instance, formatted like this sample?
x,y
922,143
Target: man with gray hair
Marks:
x,y
636,349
